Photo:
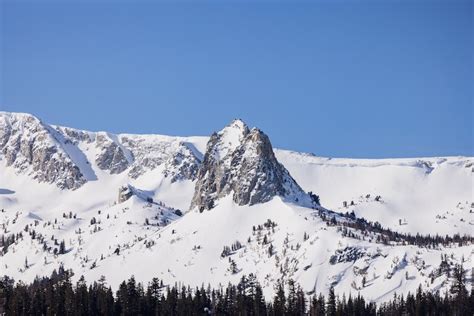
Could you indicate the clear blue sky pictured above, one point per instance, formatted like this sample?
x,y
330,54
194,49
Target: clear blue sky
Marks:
x,y
341,79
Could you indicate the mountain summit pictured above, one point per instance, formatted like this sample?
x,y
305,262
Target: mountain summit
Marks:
x,y
34,148
241,162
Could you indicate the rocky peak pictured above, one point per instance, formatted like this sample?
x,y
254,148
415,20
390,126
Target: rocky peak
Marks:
x,y
34,148
242,163
226,141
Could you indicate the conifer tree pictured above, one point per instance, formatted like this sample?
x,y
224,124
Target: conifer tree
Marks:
x,y
279,305
331,304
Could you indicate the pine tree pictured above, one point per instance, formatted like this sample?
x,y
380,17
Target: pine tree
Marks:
x,y
331,304
420,302
292,302
62,248
301,301
458,289
121,306
317,306
271,250
279,305
233,267
132,297
81,298
260,307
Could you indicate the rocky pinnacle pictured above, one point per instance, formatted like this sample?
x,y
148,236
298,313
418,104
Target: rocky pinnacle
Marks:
x,y
241,162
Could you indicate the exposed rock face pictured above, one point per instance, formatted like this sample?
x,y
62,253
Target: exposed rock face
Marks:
x,y
147,154
74,136
67,157
182,164
237,160
139,155
178,159
242,163
125,193
32,148
260,176
112,157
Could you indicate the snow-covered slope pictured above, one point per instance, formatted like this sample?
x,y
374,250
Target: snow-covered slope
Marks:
x,y
425,195
127,210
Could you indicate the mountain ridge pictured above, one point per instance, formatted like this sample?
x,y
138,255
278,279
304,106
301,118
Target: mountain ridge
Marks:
x,y
138,221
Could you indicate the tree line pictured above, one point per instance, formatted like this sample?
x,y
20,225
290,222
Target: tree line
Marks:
x,y
373,231
57,295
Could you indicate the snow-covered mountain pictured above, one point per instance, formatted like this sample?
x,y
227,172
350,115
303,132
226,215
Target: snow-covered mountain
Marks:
x,y
209,209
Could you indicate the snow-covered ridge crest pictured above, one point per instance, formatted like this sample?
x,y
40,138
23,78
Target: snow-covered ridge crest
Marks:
x,y
69,158
416,162
229,138
241,162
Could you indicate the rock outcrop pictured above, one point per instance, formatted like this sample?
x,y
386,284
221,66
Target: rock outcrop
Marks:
x,y
32,148
112,156
241,162
182,164
177,158
124,193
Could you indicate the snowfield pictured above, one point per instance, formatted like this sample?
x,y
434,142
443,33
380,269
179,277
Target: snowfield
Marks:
x,y
429,195
152,233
